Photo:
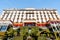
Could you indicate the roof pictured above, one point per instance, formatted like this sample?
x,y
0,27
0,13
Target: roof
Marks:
x,y
30,9
5,21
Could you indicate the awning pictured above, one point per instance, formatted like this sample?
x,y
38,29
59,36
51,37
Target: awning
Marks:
x,y
17,24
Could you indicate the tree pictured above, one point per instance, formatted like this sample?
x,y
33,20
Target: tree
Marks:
x,y
34,33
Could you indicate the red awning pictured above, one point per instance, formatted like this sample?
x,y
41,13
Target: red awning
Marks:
x,y
41,24
17,24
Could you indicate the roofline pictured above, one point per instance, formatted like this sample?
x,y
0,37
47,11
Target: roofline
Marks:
x,y
25,9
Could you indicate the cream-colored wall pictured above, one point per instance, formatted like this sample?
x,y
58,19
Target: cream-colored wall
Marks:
x,y
24,15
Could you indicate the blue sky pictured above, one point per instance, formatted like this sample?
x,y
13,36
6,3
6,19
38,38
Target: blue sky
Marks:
x,y
29,4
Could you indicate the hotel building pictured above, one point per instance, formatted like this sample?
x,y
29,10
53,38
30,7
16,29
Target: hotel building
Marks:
x,y
29,16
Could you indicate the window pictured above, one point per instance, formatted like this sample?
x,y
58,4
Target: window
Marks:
x,y
19,13
37,18
43,12
33,15
4,13
56,15
44,15
51,13
41,16
29,15
21,18
37,15
22,15
54,12
10,16
52,17
17,16
40,13
45,18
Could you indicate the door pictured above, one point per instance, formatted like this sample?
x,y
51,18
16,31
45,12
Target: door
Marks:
x,y
29,24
